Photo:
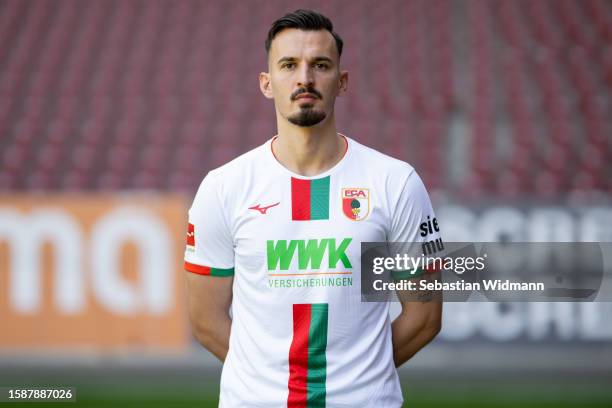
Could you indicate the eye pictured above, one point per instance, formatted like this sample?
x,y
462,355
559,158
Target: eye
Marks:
x,y
288,65
321,66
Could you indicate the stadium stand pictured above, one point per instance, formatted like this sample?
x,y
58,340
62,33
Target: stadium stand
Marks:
x,y
120,95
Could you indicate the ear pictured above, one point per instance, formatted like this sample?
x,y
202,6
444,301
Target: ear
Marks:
x,y
343,83
265,85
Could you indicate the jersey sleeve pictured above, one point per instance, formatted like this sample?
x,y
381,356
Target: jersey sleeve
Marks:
x,y
210,248
414,228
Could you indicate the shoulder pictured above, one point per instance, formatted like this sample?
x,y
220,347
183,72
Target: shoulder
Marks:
x,y
385,167
233,174
222,183
241,165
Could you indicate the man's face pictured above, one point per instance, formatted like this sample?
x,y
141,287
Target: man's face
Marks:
x,y
304,77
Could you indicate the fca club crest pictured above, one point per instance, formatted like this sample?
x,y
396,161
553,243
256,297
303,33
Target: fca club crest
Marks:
x,y
356,203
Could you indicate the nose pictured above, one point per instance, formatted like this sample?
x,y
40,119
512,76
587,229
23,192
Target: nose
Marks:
x,y
305,77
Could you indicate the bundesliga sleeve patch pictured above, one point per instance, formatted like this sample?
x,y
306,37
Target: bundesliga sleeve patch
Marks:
x,y
190,237
356,203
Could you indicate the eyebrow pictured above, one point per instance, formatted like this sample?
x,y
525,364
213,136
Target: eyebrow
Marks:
x,y
317,59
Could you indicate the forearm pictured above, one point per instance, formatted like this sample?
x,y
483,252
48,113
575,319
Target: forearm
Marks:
x,y
215,337
410,334
209,301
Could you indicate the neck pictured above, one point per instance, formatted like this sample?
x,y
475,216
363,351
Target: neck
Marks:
x,y
308,151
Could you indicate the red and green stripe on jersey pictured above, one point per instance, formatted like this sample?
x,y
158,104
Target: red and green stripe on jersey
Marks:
x,y
307,361
208,270
309,199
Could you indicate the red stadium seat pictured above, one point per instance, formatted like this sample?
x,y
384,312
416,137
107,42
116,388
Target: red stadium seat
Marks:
x,y
147,96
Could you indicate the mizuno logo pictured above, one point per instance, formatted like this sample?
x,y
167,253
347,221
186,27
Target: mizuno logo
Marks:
x,y
263,210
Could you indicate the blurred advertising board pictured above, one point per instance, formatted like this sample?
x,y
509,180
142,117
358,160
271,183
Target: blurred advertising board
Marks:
x,y
92,270
534,322
103,272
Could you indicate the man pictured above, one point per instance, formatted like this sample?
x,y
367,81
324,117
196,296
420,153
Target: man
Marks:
x,y
276,234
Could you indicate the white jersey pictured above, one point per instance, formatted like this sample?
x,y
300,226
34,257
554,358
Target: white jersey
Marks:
x,y
300,334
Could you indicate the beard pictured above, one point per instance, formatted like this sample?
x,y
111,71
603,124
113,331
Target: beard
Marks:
x,y
307,116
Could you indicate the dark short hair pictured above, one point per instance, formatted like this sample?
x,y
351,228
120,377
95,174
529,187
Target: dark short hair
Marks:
x,y
303,19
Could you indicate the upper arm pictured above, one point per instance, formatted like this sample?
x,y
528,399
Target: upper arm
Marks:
x,y
424,306
208,298
209,255
210,246
412,208
414,222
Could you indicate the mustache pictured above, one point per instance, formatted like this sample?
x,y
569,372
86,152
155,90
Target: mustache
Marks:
x,y
300,91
